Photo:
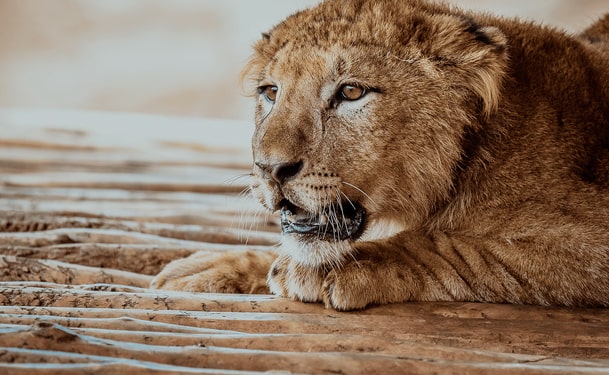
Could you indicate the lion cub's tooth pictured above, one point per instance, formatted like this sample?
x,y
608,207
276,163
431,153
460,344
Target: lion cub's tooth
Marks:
x,y
323,219
290,217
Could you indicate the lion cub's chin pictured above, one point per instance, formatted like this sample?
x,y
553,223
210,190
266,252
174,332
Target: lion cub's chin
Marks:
x,y
315,253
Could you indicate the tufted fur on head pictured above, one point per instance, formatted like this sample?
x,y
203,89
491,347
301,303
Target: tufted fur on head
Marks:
x,y
420,30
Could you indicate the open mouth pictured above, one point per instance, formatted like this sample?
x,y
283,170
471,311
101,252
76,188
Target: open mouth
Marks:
x,y
336,222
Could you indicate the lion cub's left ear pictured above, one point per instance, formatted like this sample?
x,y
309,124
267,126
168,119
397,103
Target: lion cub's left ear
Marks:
x,y
477,55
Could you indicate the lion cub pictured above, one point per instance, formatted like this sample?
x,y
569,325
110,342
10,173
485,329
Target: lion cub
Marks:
x,y
418,152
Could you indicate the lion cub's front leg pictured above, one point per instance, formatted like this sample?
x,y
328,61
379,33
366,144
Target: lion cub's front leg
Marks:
x,y
370,278
379,272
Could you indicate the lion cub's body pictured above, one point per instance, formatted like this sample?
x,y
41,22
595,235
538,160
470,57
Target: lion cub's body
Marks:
x,y
478,154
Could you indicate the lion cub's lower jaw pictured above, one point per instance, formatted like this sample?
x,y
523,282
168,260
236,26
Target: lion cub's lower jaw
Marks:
x,y
327,253
333,222
316,253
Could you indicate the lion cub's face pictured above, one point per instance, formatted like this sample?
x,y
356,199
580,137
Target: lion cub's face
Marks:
x,y
361,108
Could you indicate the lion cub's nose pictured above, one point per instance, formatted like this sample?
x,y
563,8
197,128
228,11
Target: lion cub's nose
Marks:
x,y
280,172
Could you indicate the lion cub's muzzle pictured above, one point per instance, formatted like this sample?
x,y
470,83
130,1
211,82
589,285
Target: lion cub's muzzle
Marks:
x,y
336,222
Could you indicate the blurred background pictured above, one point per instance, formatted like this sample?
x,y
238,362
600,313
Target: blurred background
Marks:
x,y
170,57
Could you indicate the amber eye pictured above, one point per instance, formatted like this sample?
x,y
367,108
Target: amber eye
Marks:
x,y
269,93
351,92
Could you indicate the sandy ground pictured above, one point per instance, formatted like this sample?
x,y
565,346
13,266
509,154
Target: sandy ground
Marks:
x,y
178,57
93,205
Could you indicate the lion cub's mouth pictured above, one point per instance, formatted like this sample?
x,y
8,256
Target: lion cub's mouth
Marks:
x,y
335,223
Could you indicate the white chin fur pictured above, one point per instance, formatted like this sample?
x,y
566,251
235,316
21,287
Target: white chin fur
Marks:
x,y
316,254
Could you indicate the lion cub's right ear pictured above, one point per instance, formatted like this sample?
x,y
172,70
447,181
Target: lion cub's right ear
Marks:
x,y
488,66
476,57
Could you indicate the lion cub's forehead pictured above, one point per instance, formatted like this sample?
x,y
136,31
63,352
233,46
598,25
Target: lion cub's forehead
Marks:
x,y
332,62
337,38
387,23
321,26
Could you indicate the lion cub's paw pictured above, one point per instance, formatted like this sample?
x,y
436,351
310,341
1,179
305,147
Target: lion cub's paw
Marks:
x,y
348,288
230,272
351,287
289,279
362,283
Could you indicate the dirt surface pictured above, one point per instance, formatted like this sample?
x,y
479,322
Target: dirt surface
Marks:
x,y
92,205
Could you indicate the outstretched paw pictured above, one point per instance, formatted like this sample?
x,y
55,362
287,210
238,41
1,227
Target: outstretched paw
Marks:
x,y
230,272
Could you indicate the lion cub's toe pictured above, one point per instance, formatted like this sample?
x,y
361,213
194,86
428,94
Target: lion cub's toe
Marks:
x,y
339,293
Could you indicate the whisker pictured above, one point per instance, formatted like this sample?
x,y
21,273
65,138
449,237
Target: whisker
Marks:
x,y
340,206
328,211
335,222
352,255
248,219
250,213
360,190
319,213
239,213
253,227
347,198
234,179
338,221
243,213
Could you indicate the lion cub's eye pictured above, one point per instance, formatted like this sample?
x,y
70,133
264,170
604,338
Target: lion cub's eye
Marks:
x,y
351,92
269,92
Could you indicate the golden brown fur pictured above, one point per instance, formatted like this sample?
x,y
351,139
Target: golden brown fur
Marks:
x,y
479,155
232,272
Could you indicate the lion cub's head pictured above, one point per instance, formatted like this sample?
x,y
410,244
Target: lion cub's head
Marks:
x,y
361,111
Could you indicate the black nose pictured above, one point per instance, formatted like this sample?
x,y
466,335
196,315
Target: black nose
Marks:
x,y
280,172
